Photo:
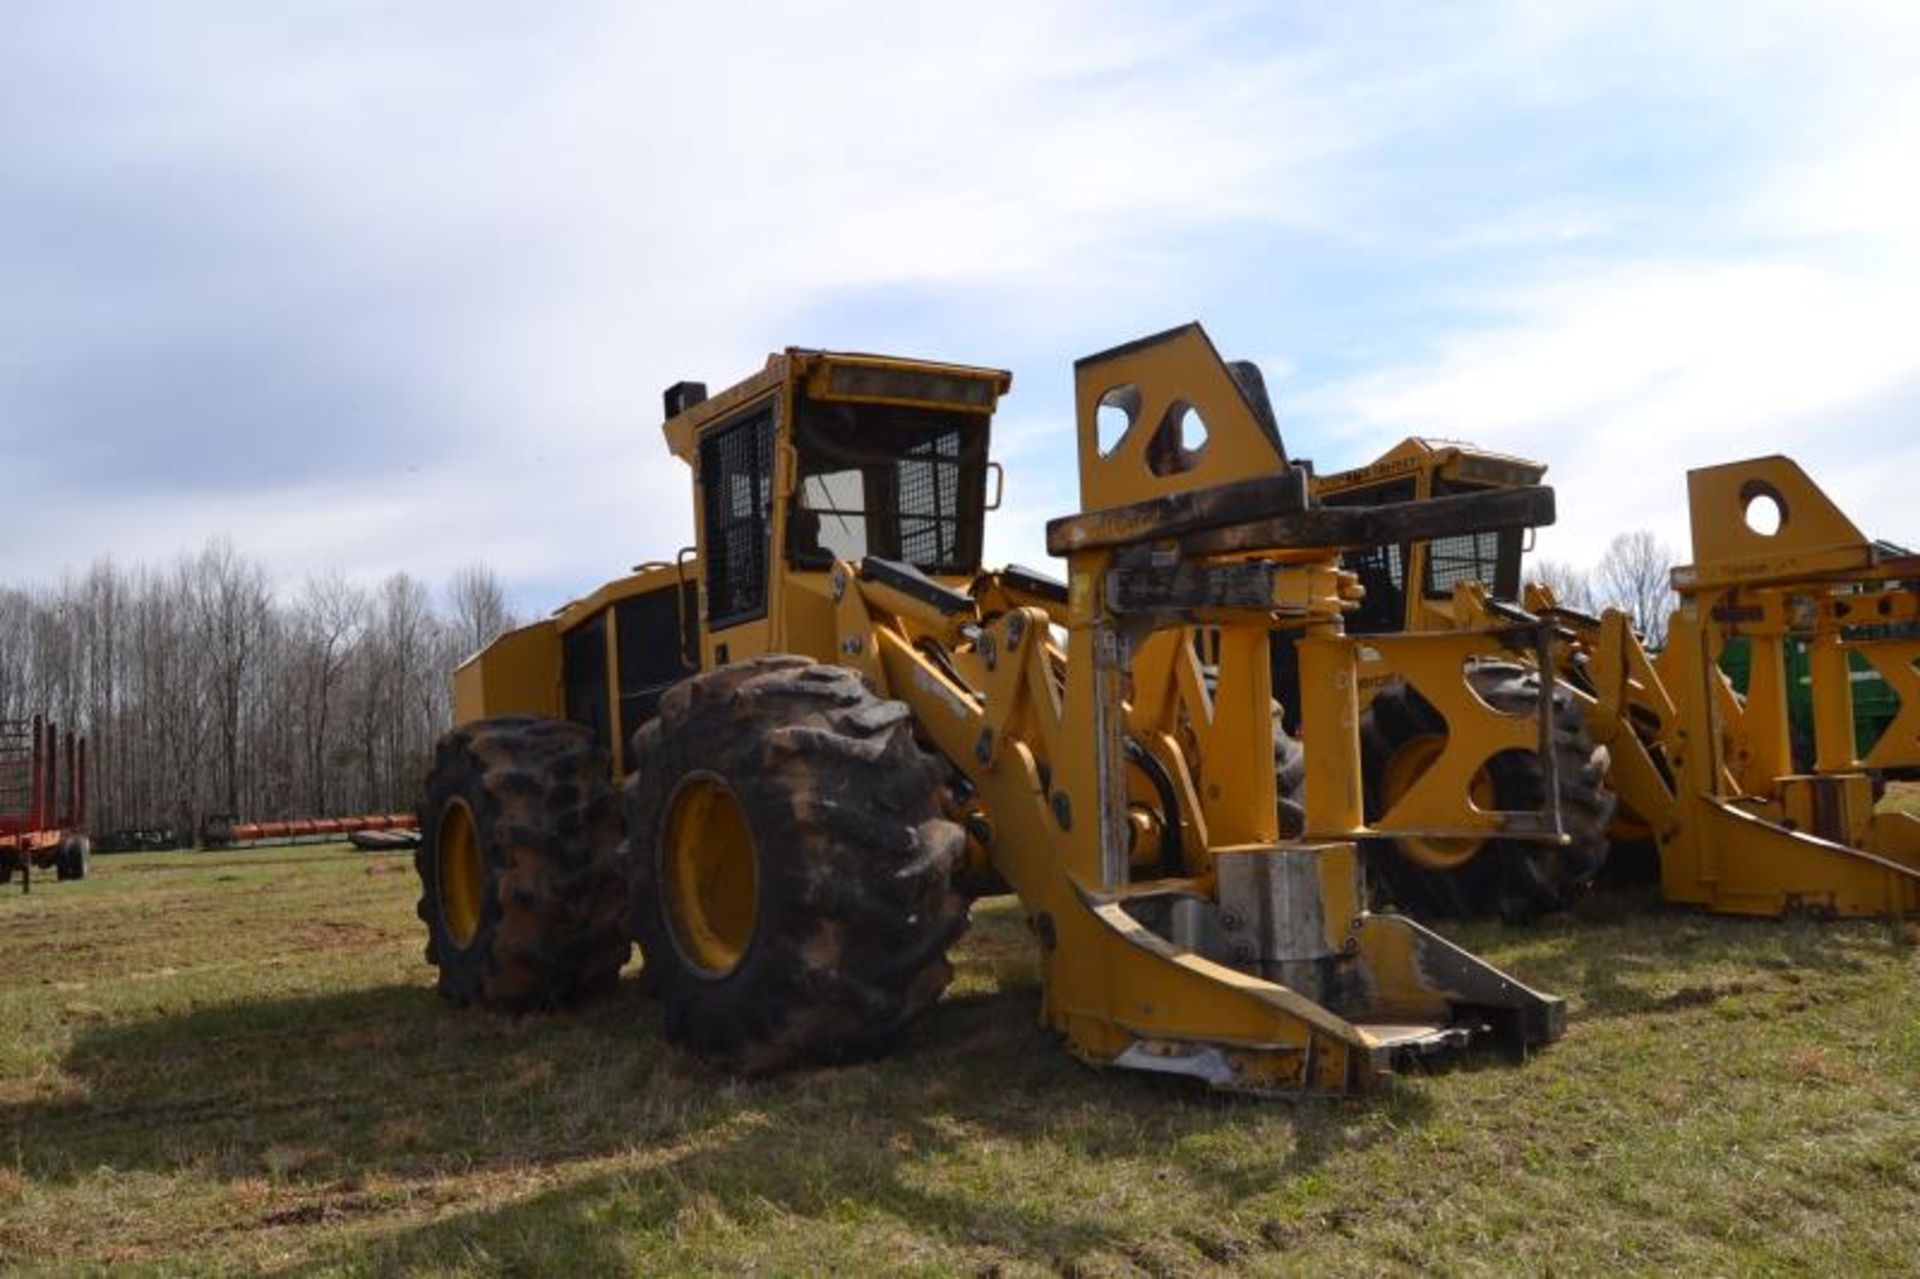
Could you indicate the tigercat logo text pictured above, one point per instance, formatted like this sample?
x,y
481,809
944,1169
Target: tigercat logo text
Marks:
x,y
1365,474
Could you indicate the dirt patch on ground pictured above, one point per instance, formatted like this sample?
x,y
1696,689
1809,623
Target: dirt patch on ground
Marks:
x,y
332,934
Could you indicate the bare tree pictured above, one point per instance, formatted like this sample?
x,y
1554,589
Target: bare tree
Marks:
x,y
101,610
199,692
412,639
16,619
479,608
327,625
1572,586
397,692
1634,576
176,684
231,602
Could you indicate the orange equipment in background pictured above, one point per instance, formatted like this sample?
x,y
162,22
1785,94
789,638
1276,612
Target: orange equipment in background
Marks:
x,y
224,832
43,801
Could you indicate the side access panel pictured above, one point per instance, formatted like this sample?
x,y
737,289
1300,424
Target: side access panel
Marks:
x,y
517,674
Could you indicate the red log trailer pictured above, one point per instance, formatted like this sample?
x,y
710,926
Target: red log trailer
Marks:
x,y
43,801
224,832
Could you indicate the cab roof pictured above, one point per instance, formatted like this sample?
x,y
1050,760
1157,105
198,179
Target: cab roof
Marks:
x,y
849,377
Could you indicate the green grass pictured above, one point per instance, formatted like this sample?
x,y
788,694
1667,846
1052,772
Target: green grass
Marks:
x,y
236,1062
1902,797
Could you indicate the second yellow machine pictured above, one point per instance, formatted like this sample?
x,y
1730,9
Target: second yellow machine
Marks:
x,y
1709,781
784,763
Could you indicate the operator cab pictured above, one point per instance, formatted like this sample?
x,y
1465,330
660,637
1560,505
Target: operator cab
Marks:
x,y
820,458
900,483
1409,585
1415,470
825,458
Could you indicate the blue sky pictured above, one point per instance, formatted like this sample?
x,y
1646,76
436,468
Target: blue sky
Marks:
x,y
397,286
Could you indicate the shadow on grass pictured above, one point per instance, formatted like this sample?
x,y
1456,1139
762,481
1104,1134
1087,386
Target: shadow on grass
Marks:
x,y
332,1095
341,1097
981,1134
582,1136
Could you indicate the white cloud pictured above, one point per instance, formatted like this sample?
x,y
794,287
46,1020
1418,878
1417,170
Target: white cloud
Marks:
x,y
531,221
542,223
1628,374
1776,320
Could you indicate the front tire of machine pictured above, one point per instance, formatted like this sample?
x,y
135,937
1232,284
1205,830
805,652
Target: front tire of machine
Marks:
x,y
521,889
793,878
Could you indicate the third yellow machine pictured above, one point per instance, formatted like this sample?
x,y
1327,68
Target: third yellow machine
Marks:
x,y
1705,777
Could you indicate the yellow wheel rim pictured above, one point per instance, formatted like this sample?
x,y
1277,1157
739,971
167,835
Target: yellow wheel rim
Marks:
x,y
710,876
462,875
1402,771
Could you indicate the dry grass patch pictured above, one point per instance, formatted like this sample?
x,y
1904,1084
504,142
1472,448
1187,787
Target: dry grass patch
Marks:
x,y
237,1064
1901,797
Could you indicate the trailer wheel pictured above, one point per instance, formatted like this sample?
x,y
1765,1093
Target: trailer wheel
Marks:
x,y
72,860
1401,734
521,889
793,890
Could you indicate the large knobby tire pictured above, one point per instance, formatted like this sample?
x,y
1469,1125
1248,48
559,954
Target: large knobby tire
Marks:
x,y
71,862
1514,879
520,881
793,878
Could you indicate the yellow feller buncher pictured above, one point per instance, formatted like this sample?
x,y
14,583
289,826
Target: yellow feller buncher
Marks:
x,y
1703,773
784,763
1450,658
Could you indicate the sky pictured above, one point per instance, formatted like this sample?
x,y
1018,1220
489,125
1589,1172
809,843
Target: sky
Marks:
x,y
384,287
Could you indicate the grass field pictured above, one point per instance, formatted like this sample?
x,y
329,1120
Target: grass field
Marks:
x,y
235,1062
1902,797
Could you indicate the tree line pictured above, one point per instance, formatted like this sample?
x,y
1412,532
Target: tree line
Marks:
x,y
205,688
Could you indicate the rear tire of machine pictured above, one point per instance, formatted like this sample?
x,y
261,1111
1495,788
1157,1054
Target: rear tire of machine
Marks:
x,y
547,927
